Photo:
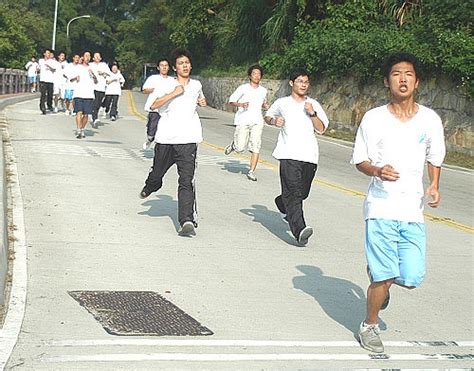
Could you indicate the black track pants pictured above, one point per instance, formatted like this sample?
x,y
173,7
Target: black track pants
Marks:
x,y
296,178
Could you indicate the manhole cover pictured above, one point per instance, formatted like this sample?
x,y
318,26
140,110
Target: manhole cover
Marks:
x,y
138,313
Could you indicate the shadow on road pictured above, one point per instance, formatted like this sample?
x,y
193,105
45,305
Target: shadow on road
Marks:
x,y
271,220
234,166
340,299
163,206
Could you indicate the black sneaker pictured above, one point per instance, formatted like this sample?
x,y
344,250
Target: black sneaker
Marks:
x,y
144,193
387,299
187,229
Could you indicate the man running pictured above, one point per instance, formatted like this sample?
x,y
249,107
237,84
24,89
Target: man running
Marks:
x,y
32,68
393,143
86,81
177,137
249,98
151,83
299,118
101,71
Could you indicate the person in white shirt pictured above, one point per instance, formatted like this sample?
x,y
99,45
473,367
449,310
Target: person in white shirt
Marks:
x,y
249,99
114,89
32,68
177,137
151,83
59,80
86,80
101,70
393,143
46,81
299,118
70,73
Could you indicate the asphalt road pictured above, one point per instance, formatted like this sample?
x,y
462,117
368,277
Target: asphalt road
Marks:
x,y
269,303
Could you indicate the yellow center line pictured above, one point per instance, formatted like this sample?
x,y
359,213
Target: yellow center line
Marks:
x,y
433,218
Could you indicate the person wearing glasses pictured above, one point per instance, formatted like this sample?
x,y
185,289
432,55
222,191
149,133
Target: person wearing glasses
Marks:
x,y
299,117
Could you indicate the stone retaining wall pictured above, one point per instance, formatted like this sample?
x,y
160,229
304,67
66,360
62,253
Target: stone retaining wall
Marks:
x,y
346,101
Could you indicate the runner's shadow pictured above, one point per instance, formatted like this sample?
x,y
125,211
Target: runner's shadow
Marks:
x,y
164,205
234,166
271,220
342,300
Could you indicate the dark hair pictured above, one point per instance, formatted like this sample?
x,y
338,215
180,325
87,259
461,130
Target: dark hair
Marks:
x,y
163,59
178,53
86,51
298,72
255,66
47,50
399,57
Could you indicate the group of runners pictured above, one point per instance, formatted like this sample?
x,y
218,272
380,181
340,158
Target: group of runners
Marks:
x,y
392,145
82,87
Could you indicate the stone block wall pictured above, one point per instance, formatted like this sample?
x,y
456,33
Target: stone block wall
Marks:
x,y
346,101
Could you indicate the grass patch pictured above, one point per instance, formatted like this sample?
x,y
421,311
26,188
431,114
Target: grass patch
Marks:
x,y
459,159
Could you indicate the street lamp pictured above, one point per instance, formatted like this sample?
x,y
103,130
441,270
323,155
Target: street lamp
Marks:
x,y
54,25
67,27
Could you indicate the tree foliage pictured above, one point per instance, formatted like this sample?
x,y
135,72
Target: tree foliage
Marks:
x,y
330,37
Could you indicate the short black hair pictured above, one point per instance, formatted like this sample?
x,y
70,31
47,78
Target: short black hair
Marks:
x,y
399,57
255,66
162,59
298,72
178,53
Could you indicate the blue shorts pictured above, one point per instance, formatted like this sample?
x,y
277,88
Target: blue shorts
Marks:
x,y
68,94
83,105
32,79
396,250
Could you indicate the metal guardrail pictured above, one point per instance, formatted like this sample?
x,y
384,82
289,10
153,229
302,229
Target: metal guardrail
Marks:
x,y
13,81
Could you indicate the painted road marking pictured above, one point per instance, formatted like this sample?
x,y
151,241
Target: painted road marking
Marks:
x,y
248,343
441,220
230,357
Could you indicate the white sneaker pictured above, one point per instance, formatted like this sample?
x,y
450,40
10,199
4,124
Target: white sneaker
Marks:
x,y
229,149
304,236
67,112
55,110
251,176
83,135
147,145
369,338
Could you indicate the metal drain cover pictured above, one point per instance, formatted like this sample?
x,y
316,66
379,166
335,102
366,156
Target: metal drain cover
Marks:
x,y
138,313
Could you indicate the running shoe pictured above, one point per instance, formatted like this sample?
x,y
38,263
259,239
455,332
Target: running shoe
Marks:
x,y
369,338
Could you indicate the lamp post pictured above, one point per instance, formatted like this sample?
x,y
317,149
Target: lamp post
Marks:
x,y
67,27
54,24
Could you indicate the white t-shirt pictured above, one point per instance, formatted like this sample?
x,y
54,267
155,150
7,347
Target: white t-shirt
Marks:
x,y
382,139
153,82
85,86
46,73
297,140
255,97
115,86
179,122
59,78
71,71
100,69
32,68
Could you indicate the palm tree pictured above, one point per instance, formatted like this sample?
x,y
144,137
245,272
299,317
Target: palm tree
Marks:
x,y
402,11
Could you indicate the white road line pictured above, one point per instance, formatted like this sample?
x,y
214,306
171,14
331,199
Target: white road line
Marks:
x,y
16,304
248,343
256,357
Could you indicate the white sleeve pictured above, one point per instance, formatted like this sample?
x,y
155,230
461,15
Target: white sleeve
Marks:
x,y
360,152
320,112
274,109
236,95
149,83
437,149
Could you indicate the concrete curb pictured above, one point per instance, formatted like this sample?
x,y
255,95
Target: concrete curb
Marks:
x,y
11,198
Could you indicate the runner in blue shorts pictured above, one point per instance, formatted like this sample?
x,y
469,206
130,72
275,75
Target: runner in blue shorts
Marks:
x,y
393,143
